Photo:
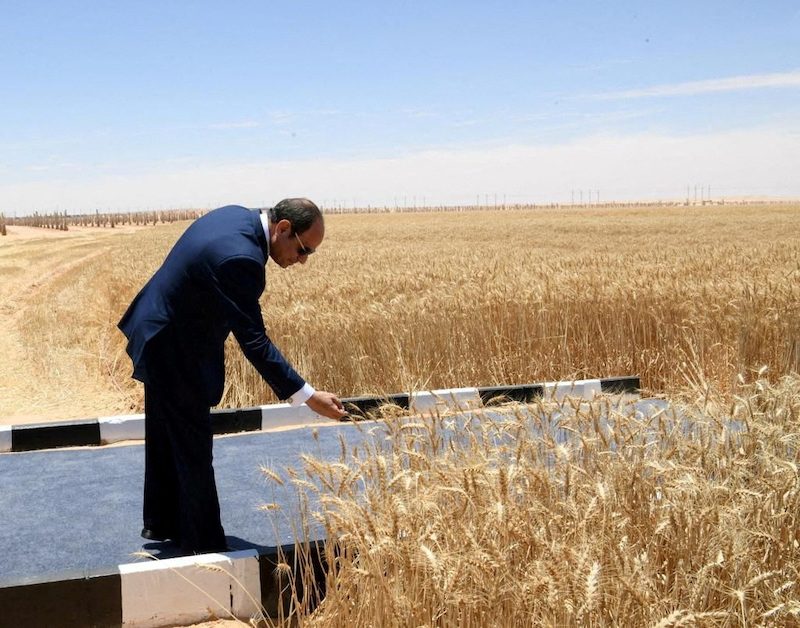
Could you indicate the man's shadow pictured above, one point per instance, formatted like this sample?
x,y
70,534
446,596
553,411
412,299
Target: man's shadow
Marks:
x,y
161,550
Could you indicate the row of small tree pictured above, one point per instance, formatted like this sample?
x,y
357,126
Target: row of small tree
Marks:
x,y
62,221
143,218
56,220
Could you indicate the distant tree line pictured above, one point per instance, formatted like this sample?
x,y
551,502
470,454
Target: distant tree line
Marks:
x,y
62,221
56,220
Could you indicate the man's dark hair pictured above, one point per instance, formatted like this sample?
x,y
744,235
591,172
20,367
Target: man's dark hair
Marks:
x,y
301,212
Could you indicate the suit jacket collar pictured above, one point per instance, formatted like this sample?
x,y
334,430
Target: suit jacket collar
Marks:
x,y
262,233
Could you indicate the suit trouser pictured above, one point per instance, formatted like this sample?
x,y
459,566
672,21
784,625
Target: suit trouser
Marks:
x,y
180,492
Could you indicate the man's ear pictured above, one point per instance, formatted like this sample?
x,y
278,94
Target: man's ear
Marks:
x,y
284,226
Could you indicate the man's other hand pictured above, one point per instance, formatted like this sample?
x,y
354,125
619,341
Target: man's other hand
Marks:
x,y
327,404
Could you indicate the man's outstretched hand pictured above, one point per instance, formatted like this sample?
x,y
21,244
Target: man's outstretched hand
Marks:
x,y
327,404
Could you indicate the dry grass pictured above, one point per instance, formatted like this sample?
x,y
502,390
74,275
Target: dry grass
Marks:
x,y
567,515
422,301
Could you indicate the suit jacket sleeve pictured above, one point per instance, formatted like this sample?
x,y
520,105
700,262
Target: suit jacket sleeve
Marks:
x,y
239,282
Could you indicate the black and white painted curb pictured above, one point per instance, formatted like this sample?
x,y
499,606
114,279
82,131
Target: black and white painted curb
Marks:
x,y
113,429
174,591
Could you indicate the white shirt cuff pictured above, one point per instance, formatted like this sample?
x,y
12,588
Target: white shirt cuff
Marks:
x,y
302,395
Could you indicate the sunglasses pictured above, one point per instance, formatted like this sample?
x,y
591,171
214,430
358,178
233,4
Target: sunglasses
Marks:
x,y
303,250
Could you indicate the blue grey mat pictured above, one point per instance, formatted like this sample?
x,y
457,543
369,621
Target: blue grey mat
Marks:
x,y
70,513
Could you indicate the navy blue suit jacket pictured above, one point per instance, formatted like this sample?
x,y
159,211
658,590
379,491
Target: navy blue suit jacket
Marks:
x,y
207,287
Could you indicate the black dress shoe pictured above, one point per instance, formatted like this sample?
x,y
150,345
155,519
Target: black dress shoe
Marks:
x,y
159,535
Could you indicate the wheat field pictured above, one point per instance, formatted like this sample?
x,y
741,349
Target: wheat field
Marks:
x,y
402,302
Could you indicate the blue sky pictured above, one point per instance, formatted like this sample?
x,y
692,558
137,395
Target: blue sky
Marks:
x,y
172,104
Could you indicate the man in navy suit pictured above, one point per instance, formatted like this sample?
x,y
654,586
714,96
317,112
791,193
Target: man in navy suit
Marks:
x,y
208,287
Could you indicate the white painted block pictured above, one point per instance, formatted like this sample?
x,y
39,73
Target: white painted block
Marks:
x,y
445,399
560,390
190,589
123,427
285,415
592,388
5,438
460,398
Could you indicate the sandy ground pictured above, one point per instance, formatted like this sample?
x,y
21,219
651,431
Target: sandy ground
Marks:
x,y
30,259
20,233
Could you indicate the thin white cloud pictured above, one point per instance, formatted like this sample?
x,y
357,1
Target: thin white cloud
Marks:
x,y
691,88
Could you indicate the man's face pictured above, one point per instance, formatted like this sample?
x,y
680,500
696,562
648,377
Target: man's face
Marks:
x,y
287,247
